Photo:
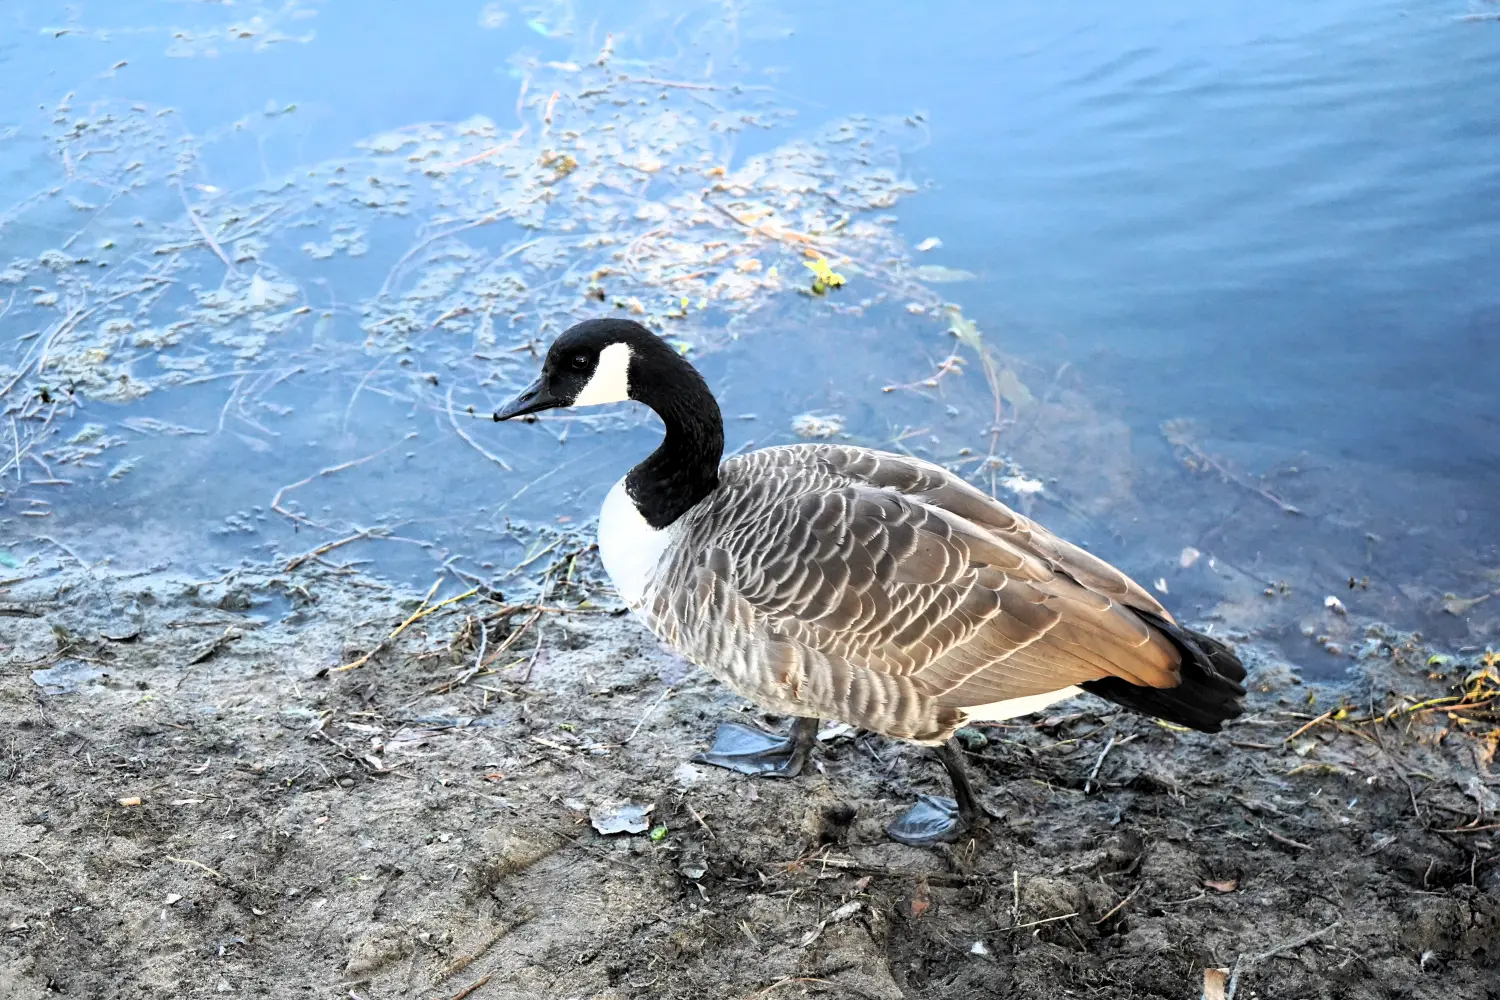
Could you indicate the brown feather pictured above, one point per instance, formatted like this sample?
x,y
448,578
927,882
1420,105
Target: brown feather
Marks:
x,y
887,592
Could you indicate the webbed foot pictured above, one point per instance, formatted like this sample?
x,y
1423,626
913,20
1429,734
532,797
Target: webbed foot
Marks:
x,y
937,819
756,752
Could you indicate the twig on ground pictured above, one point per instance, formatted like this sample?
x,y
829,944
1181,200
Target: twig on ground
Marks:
x,y
195,864
423,610
647,714
1108,746
1288,841
471,987
1322,718
1243,963
1038,923
700,821
1121,904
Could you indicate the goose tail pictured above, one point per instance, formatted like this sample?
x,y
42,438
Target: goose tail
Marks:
x,y
1209,694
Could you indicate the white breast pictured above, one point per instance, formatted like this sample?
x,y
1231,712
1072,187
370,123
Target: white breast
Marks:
x,y
629,547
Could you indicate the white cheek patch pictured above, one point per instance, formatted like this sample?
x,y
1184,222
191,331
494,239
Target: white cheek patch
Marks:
x,y
611,379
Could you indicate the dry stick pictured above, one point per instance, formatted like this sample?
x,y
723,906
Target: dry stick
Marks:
x,y
1120,905
422,612
464,961
1285,946
1396,766
646,715
276,500
472,987
1322,718
452,419
1288,841
213,244
1098,764
480,662
701,821
484,640
784,981
1038,923
541,599
195,864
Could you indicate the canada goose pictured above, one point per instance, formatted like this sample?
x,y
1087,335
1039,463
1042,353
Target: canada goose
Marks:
x,y
826,581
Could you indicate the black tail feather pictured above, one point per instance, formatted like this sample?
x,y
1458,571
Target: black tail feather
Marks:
x,y
1210,692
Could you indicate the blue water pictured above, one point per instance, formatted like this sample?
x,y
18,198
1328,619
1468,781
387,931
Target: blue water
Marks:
x,y
1280,222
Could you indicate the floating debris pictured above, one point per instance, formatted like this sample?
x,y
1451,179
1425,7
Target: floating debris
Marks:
x,y
1022,486
938,274
814,426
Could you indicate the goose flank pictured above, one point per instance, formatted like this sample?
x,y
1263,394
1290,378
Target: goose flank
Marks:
x,y
824,581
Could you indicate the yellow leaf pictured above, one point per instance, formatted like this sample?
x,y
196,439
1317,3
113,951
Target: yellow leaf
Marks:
x,y
826,275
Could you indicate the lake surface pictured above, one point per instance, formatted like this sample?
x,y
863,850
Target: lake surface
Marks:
x,y
1228,263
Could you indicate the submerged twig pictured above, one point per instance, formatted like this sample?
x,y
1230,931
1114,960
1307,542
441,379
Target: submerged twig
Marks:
x,y
276,500
213,244
453,419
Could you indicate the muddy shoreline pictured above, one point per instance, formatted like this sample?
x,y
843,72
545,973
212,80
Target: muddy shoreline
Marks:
x,y
198,805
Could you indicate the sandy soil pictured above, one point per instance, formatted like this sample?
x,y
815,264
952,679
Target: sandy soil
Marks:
x,y
212,811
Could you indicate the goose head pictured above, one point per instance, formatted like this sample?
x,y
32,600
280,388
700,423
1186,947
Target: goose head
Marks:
x,y
612,360
598,361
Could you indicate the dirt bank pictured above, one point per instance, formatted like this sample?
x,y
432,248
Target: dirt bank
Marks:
x,y
195,804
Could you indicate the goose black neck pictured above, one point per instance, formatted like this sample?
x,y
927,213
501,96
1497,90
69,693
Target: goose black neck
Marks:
x,y
685,468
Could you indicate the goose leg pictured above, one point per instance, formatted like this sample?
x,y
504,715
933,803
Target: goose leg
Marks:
x,y
754,751
936,819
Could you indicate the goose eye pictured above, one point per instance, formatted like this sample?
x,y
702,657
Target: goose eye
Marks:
x,y
579,362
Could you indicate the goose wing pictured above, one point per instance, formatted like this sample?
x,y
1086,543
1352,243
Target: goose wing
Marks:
x,y
888,592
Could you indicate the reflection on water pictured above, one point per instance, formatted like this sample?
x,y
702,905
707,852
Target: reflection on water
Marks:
x,y
1234,265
